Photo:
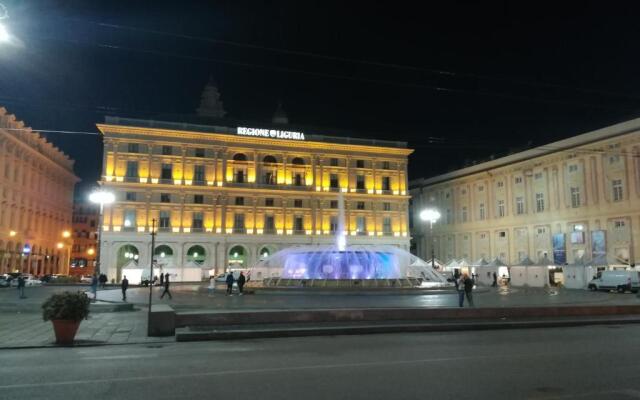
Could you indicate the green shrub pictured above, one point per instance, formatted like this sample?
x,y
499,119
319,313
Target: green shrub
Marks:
x,y
67,306
66,279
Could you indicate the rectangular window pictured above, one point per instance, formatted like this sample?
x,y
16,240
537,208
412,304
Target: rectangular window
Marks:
x,y
333,204
480,188
199,152
519,205
360,205
239,176
198,199
539,202
619,224
167,150
518,179
361,224
165,219
333,181
386,225
167,172
481,211
537,176
541,231
131,196
333,223
385,165
132,148
573,167
386,206
360,182
575,197
298,224
268,202
359,163
464,215
297,203
239,201
502,234
196,222
238,222
618,194
500,184
198,173
269,223
333,162
298,179
386,183
129,218
165,198
501,208
614,159
269,178
132,169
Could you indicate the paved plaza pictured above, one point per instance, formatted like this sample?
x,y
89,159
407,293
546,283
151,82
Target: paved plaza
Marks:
x,y
21,324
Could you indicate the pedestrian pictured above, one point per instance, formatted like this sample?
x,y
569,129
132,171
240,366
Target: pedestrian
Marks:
x,y
166,287
94,286
103,280
468,288
155,279
124,286
460,289
495,279
241,281
230,284
161,279
21,285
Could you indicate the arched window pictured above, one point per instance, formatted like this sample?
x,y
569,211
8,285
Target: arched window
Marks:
x,y
196,254
297,161
238,258
269,159
239,157
163,251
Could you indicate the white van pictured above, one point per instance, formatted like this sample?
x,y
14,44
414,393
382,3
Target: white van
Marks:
x,y
616,280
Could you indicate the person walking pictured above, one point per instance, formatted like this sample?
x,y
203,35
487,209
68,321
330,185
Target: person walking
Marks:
x,y
166,287
495,280
94,287
124,286
468,289
460,289
241,282
230,284
102,279
161,279
21,285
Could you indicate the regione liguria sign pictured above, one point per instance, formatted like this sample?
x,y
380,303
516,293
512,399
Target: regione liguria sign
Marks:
x,y
269,133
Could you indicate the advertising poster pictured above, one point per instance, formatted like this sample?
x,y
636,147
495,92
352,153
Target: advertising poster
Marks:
x,y
559,250
598,245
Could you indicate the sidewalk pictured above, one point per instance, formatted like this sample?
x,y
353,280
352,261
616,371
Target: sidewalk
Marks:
x,y
22,330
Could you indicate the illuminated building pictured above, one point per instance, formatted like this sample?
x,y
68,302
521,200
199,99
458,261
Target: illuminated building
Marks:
x,y
227,197
84,233
36,200
571,199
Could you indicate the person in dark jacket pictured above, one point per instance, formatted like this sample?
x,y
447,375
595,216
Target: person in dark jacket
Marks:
x,y
468,289
124,286
230,284
166,287
161,279
495,280
241,281
21,285
94,286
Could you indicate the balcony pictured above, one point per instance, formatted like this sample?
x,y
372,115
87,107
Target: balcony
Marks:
x,y
199,183
164,229
166,181
387,233
299,232
242,231
133,179
197,230
269,231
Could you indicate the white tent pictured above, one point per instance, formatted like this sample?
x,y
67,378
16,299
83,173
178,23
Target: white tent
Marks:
x,y
191,272
578,274
518,273
134,272
464,266
484,272
538,274
439,264
451,265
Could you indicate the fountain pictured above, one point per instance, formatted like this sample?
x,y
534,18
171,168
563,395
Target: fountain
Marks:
x,y
340,265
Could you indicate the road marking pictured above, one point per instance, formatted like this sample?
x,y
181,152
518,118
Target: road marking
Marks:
x,y
123,357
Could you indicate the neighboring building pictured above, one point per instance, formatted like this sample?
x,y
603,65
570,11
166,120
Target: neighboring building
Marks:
x,y
36,201
578,197
224,198
85,238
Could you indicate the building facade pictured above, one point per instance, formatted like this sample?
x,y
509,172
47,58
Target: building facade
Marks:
x,y
36,201
575,198
225,198
85,238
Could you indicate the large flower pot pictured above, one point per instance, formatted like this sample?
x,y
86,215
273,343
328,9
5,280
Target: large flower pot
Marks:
x,y
65,330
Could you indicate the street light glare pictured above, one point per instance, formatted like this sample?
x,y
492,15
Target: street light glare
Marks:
x,y
430,215
102,197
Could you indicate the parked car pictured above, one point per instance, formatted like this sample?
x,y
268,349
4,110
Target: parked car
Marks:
x,y
620,281
4,282
51,278
86,279
29,280
236,274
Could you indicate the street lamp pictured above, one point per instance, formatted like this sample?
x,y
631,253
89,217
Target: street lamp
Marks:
x,y
100,197
432,215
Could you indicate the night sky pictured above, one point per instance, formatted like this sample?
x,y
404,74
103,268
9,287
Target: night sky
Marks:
x,y
459,81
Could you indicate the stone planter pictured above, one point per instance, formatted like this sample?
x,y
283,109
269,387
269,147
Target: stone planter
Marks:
x,y
65,330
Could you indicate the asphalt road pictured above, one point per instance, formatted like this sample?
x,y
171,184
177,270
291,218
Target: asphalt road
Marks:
x,y
561,363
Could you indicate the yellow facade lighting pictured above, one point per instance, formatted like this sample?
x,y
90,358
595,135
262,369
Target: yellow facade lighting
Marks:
x,y
66,234
60,245
91,252
12,233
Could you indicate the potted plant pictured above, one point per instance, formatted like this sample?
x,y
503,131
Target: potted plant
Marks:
x,y
66,310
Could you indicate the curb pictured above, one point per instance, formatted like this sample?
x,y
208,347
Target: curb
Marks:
x,y
76,345
234,334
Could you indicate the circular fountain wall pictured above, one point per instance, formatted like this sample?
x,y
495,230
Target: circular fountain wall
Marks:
x,y
355,263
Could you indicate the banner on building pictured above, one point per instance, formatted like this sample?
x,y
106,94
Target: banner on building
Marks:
x,y
598,246
559,250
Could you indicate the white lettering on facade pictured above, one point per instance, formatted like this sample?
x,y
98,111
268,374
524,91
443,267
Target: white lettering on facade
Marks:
x,y
270,133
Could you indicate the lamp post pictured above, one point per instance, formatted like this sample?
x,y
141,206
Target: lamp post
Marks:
x,y
153,255
100,197
432,215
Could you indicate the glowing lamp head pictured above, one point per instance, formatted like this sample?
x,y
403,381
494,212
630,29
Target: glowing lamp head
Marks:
x,y
60,245
195,254
91,252
102,197
12,233
430,215
66,234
